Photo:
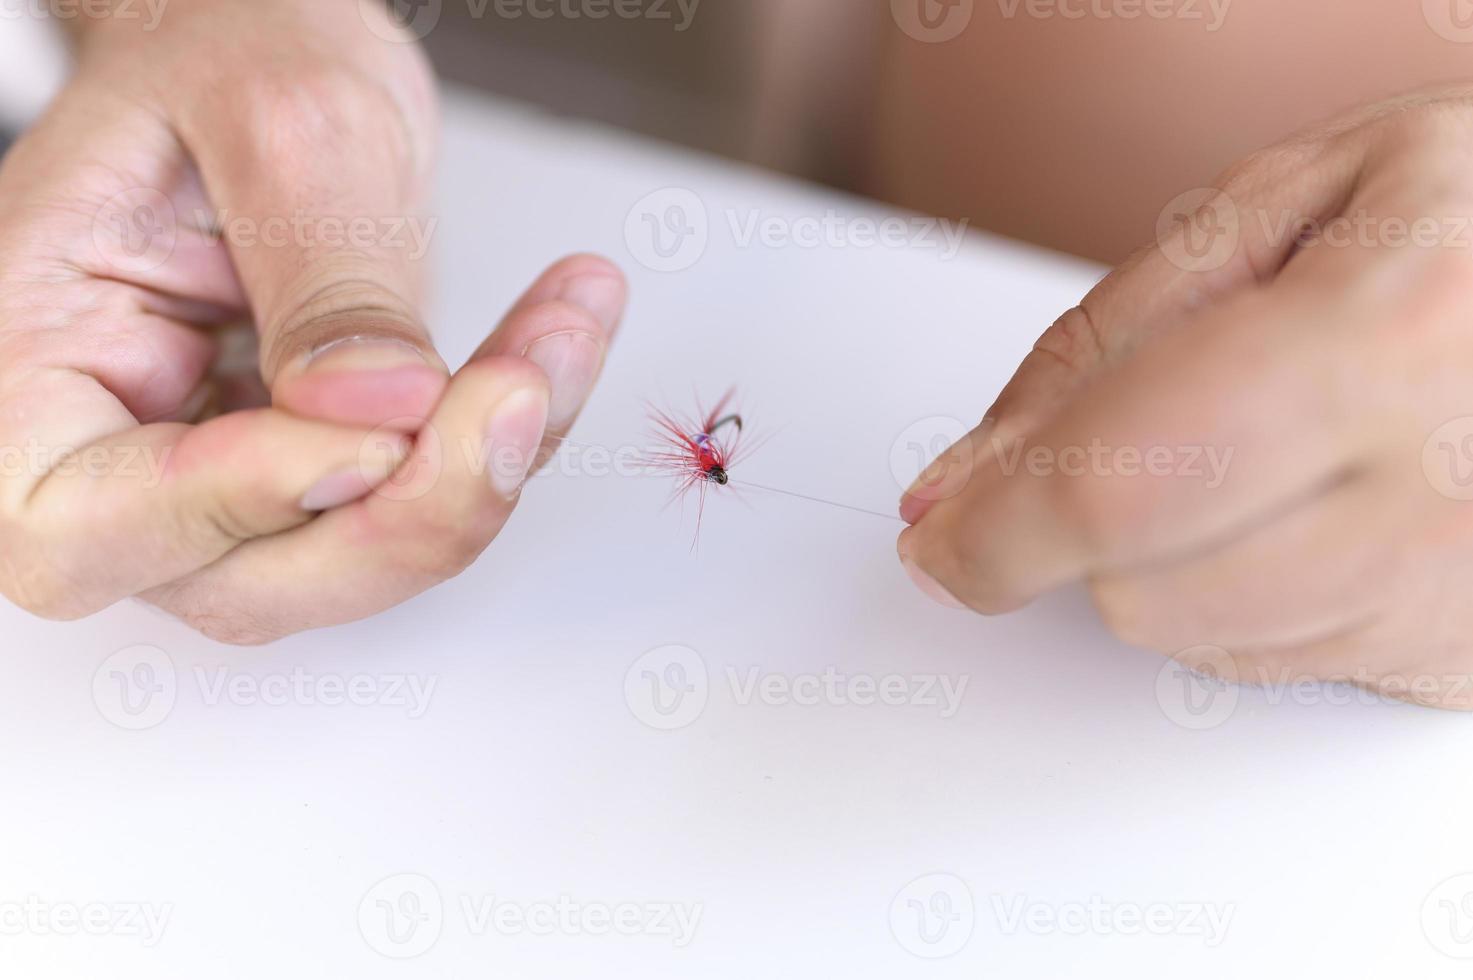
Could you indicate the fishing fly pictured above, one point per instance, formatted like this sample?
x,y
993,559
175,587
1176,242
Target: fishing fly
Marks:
x,y
699,451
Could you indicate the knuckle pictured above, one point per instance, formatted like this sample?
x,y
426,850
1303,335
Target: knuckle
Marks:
x,y
318,103
1259,173
558,314
339,296
1075,339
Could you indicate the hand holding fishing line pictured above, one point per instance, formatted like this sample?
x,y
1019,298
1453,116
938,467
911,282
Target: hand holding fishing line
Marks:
x,y
1337,374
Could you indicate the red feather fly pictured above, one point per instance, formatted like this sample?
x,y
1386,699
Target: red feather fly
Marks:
x,y
701,451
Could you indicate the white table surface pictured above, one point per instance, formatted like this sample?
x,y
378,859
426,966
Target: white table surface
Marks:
x,y
1067,787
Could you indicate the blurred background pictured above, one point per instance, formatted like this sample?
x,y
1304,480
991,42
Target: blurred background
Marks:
x,y
1067,123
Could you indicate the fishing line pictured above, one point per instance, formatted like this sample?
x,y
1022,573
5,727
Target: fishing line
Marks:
x,y
748,485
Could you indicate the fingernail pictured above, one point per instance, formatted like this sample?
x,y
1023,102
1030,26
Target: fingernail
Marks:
x,y
340,488
572,362
513,436
364,353
932,588
603,296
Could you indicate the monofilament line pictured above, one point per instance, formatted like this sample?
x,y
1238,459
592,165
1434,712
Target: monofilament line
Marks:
x,y
745,485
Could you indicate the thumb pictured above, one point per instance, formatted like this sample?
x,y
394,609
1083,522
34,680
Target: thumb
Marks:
x,y
317,176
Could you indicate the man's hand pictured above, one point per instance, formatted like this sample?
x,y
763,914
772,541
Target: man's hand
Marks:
x,y
1255,439
260,161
